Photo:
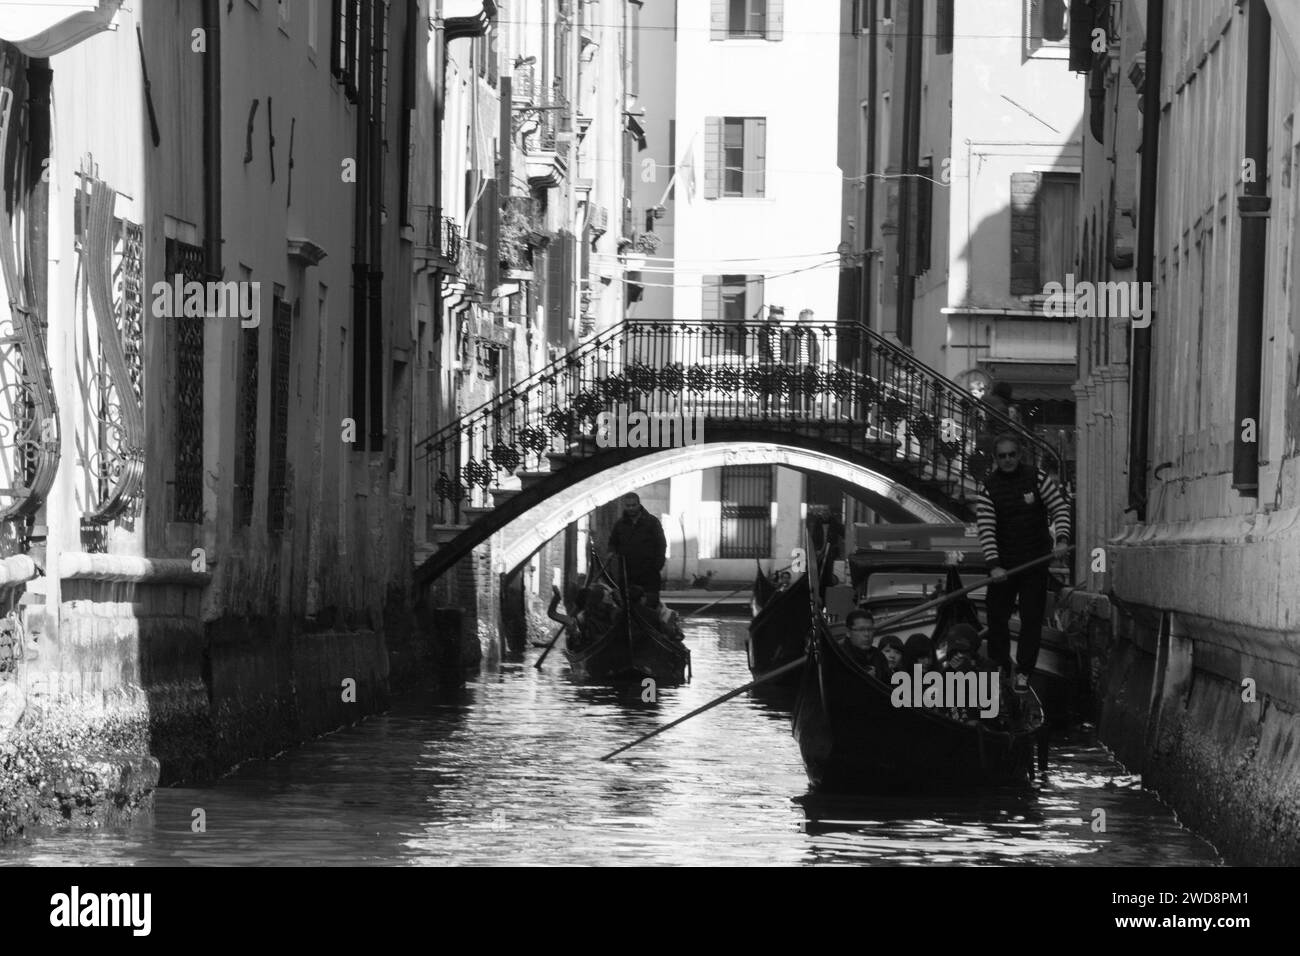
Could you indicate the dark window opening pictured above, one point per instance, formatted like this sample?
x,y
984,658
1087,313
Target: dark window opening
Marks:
x,y
746,499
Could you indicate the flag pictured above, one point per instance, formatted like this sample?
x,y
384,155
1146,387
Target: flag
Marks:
x,y
686,167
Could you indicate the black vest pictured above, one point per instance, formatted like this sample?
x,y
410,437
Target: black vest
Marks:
x,y
1023,528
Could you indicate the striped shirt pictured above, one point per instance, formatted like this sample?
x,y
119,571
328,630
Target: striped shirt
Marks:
x,y
1049,493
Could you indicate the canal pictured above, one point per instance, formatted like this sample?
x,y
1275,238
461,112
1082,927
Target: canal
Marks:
x,y
505,771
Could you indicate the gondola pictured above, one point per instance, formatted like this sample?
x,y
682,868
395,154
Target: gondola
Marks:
x,y
631,652
779,631
764,589
853,739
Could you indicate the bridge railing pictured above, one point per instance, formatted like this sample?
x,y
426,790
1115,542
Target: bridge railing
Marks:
x,y
837,377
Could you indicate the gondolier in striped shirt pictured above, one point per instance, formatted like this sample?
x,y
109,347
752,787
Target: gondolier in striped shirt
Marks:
x,y
1017,510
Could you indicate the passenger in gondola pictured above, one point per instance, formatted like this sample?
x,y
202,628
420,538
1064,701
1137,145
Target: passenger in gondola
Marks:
x,y
784,581
962,657
891,651
858,644
572,622
918,648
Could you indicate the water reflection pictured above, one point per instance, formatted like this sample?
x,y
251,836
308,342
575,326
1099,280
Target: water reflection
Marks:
x,y
505,771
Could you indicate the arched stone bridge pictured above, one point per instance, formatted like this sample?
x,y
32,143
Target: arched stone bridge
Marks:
x,y
830,398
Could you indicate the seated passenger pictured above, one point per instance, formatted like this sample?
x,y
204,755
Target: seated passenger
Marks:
x,y
891,650
668,621
858,644
918,649
572,622
962,658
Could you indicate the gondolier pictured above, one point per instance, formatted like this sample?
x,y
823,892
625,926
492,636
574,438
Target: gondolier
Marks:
x,y
638,539
1017,510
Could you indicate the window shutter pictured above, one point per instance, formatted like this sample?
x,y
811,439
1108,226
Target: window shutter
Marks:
x,y
755,157
554,304
923,190
718,20
775,19
567,261
1082,21
1024,233
711,306
943,27
713,157
753,298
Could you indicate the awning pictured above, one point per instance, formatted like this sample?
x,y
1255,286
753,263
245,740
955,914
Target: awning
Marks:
x,y
42,28
1042,381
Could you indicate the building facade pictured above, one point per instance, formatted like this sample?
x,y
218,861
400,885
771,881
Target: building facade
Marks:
x,y
1195,544
960,137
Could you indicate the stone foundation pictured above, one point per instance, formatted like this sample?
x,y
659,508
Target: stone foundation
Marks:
x,y
132,691
1169,698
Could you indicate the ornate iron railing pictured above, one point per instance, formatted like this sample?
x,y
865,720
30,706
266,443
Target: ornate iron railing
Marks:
x,y
29,418
840,379
436,236
113,441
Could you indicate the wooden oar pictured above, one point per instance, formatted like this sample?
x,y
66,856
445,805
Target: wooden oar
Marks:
x,y
786,668
952,595
725,596
549,646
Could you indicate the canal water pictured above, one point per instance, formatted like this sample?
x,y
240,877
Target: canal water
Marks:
x,y
506,771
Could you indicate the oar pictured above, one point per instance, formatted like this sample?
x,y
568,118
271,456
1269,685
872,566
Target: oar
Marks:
x,y
549,646
725,596
945,598
786,668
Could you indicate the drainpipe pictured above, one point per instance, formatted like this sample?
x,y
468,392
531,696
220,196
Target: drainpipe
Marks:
x,y
212,138
1139,421
911,151
380,27
360,235
869,212
1253,207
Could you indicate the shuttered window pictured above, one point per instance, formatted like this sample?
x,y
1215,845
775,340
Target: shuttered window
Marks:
x,y
746,19
737,157
1044,210
730,302
281,358
559,288
1047,24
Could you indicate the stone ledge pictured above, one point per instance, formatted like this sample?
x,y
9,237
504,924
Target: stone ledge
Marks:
x,y
17,569
79,565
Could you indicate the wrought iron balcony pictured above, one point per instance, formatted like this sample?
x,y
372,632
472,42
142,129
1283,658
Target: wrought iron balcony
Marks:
x,y
437,237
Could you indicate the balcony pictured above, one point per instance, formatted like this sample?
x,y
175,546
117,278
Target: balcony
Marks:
x,y
437,238
523,85
546,128
472,264
523,229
